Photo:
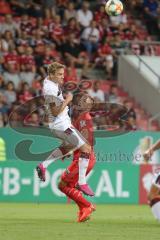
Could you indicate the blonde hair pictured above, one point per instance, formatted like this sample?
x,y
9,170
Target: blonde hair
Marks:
x,y
53,67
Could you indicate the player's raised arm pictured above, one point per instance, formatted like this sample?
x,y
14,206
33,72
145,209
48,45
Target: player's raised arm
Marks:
x,y
147,155
156,146
56,110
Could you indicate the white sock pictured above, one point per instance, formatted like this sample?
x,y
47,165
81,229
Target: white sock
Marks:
x,y
55,155
156,210
83,165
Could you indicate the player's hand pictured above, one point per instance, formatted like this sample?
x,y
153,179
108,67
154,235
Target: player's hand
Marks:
x,y
69,97
63,158
148,154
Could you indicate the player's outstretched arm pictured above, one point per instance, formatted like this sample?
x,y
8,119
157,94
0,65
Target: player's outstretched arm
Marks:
x,y
56,110
147,155
156,146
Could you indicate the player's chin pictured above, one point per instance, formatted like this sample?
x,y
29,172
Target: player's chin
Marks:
x,y
61,82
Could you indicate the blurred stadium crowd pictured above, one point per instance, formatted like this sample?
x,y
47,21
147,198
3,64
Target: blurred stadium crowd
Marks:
x,y
79,34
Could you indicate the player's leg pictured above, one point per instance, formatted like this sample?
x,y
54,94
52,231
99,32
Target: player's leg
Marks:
x,y
68,182
85,151
154,197
85,213
57,153
73,140
67,185
85,207
72,137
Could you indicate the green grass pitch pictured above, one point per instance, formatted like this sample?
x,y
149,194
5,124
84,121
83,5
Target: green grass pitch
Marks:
x,y
58,222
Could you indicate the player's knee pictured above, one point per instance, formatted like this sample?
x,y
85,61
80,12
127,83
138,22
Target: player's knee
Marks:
x,y
86,148
149,196
154,191
63,150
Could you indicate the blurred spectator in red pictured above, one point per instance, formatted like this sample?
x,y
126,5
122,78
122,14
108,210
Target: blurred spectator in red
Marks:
x,y
100,14
28,66
70,73
10,93
11,58
25,93
90,38
56,30
26,24
72,27
84,15
105,58
9,25
96,92
4,8
70,12
48,19
37,85
56,55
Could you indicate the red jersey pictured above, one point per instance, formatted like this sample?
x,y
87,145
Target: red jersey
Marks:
x,y
28,61
84,121
13,59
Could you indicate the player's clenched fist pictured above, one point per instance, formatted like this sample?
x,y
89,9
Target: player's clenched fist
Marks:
x,y
148,154
69,97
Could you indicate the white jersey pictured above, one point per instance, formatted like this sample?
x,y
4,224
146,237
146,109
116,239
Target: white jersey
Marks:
x,y
52,93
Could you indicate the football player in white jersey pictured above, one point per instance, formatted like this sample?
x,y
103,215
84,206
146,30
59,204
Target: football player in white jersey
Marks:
x,y
154,193
60,125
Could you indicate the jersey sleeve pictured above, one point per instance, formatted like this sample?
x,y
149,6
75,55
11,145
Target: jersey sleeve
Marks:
x,y
50,94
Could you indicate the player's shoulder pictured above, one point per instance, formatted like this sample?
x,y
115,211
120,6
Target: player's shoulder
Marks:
x,y
49,86
48,83
86,116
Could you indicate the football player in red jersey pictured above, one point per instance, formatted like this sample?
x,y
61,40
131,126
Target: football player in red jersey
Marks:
x,y
69,179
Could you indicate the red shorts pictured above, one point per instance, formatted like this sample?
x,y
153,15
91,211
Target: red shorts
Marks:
x,y
71,174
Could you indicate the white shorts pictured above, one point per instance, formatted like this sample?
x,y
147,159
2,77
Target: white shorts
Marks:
x,y
71,136
156,180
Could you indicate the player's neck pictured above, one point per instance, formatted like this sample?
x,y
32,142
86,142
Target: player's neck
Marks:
x,y
52,80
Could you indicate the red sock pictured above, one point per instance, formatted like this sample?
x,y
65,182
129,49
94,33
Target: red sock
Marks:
x,y
75,195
